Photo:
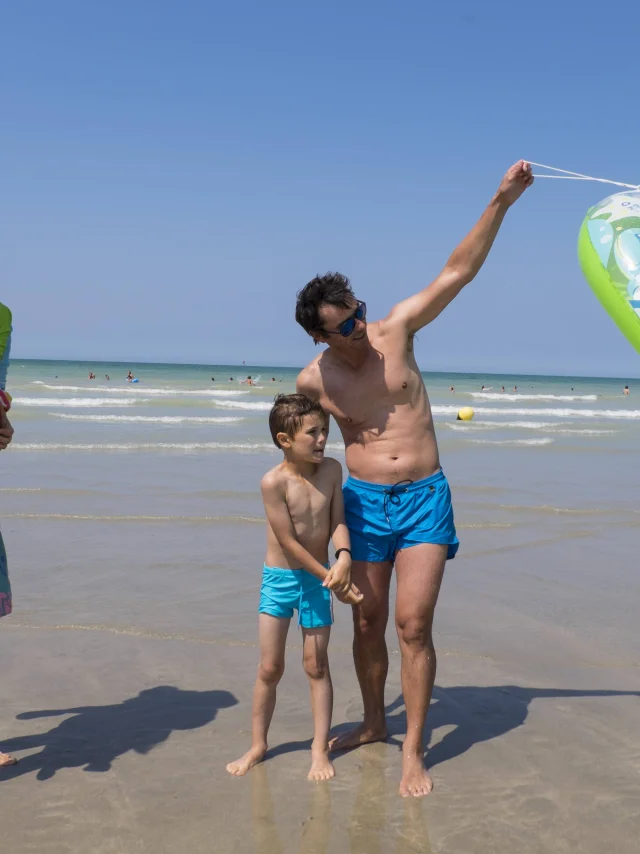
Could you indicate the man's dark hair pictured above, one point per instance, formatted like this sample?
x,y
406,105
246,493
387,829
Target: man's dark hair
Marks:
x,y
287,413
330,289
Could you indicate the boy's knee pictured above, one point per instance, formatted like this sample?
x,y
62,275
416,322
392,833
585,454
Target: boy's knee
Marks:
x,y
271,672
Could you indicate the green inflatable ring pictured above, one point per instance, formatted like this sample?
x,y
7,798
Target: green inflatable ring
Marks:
x,y
609,254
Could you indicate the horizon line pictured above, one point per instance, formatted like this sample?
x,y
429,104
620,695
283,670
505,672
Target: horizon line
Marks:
x,y
458,373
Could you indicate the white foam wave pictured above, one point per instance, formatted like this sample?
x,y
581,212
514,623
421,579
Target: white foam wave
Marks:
x,y
547,426
144,446
546,441
80,402
544,413
150,419
143,390
152,446
241,404
493,425
483,395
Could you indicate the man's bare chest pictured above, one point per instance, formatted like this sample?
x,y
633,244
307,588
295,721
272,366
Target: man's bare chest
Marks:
x,y
357,397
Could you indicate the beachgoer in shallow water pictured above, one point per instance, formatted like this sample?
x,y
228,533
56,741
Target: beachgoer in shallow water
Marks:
x,y
625,390
451,388
305,486
397,500
502,389
6,434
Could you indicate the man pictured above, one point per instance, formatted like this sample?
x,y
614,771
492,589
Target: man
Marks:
x,y
397,501
6,433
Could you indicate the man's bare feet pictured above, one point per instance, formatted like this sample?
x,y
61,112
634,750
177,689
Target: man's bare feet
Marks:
x,y
416,782
357,736
321,766
6,760
254,755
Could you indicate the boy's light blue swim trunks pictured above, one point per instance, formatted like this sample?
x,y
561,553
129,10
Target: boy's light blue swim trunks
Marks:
x,y
382,519
284,590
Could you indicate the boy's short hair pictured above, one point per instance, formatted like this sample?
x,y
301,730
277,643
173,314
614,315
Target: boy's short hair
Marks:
x,y
287,413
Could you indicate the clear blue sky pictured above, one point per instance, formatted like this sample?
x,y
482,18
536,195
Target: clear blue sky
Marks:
x,y
174,171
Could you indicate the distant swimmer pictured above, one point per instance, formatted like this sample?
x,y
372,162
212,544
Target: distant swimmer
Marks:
x,y
451,388
273,379
502,389
107,377
92,376
213,379
129,376
248,381
230,379
625,390
515,388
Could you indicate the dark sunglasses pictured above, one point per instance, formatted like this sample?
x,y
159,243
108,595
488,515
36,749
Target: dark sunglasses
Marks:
x,y
347,327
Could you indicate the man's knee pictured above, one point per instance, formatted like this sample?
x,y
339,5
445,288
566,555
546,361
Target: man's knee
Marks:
x,y
370,622
270,671
315,666
415,632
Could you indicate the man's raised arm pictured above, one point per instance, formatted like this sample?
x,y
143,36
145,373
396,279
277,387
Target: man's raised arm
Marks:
x,y
468,257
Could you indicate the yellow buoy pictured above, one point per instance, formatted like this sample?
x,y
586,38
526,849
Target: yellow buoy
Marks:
x,y
465,414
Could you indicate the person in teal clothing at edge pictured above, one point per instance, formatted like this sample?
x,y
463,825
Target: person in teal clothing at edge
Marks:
x,y
6,434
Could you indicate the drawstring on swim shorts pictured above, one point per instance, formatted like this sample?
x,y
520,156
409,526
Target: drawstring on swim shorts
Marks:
x,y
390,495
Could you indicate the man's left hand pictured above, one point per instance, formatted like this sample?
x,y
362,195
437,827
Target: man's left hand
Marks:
x,y
515,182
6,430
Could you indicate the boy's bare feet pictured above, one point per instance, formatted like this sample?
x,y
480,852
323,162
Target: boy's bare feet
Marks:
x,y
321,766
416,782
6,760
357,736
254,755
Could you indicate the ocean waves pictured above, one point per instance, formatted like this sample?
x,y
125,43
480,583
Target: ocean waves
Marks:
x,y
550,412
79,402
151,419
257,405
143,390
486,395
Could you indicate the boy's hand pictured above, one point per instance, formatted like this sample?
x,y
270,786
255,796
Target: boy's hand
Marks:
x,y
339,576
352,597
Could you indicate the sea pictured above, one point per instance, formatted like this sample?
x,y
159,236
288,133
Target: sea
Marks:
x,y
191,442
207,420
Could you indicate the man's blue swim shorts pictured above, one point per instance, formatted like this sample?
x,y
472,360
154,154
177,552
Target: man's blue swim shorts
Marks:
x,y
382,519
286,590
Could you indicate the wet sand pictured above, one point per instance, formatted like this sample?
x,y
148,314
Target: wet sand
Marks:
x,y
127,671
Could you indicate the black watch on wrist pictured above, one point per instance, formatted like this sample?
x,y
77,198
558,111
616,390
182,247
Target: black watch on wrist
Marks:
x,y
348,551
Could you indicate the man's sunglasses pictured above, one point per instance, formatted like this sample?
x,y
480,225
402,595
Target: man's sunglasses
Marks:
x,y
347,327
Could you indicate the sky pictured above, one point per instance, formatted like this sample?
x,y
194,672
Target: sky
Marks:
x,y
172,173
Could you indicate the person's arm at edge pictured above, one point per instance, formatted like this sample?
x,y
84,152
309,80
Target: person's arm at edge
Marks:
x,y
467,258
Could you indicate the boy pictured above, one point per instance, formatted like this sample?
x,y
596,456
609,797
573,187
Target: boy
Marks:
x,y
303,503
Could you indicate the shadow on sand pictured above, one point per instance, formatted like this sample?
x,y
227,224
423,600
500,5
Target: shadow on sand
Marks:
x,y
96,735
477,714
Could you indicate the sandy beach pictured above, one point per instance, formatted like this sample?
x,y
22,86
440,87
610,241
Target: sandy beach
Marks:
x,y
128,663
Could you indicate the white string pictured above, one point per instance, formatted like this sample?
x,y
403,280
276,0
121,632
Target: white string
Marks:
x,y
578,176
